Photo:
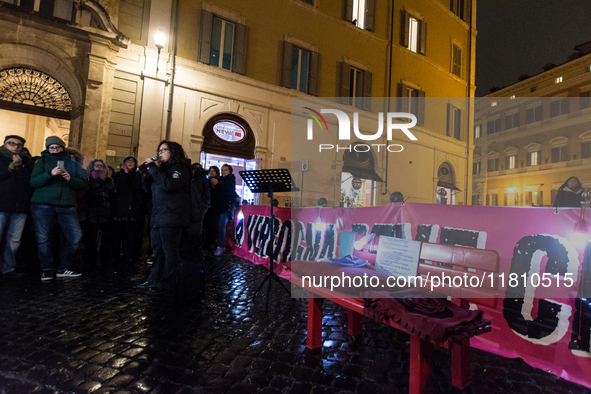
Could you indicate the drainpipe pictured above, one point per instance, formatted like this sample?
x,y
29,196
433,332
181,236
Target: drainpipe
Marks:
x,y
389,86
174,18
468,94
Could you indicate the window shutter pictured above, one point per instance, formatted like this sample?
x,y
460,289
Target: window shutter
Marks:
x,y
205,36
240,42
349,10
423,37
466,10
421,114
449,122
345,80
286,67
403,98
366,91
404,29
63,9
46,8
370,10
314,68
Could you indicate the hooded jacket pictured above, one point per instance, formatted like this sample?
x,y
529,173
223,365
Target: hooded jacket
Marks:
x,y
169,184
14,182
200,195
55,190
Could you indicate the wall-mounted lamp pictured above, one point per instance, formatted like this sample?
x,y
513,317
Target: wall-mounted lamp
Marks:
x,y
159,41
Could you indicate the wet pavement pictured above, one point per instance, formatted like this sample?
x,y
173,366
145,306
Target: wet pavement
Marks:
x,y
100,334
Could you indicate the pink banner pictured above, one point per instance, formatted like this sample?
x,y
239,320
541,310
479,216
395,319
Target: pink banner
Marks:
x,y
538,316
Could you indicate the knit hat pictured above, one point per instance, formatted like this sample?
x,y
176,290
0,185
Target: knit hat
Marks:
x,y
18,137
130,157
54,140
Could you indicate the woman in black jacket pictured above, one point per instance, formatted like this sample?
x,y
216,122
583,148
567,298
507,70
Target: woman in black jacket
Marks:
x,y
130,211
570,194
225,192
171,204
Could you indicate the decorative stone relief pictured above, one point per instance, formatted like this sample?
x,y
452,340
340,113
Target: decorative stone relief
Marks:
x,y
207,104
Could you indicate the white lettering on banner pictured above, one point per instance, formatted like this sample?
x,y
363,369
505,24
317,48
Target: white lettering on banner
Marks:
x,y
228,131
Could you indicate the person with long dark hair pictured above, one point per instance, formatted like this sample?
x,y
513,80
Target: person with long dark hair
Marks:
x,y
225,187
570,194
210,223
169,184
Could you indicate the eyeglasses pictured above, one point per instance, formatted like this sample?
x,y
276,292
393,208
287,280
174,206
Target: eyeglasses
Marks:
x,y
55,148
129,161
13,144
162,150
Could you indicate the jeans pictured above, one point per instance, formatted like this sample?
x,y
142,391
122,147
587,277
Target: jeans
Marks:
x,y
166,245
13,225
222,221
43,218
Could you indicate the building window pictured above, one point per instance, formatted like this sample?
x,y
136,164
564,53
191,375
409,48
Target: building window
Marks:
x,y
361,13
586,150
300,69
533,114
456,60
512,97
412,100
559,154
493,126
222,43
493,104
477,132
512,121
454,122
533,89
493,165
532,159
458,8
558,80
559,107
474,199
311,2
414,33
533,198
476,168
356,86
61,9
494,200
510,164
585,99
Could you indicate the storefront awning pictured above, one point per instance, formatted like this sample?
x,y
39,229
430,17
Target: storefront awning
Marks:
x,y
362,173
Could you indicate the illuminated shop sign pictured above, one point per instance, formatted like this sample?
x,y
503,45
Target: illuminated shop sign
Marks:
x,y
228,131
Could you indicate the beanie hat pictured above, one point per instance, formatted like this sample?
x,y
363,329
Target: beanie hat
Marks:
x,y
54,140
131,157
18,137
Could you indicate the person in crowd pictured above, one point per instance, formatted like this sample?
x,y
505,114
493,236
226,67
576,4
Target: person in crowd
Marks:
x,y
210,222
15,174
570,194
110,172
200,202
169,184
225,187
56,177
97,228
129,210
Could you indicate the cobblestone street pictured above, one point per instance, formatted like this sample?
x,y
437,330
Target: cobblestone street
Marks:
x,y
99,334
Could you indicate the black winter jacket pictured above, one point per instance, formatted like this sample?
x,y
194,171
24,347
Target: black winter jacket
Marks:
x,y
200,195
98,200
224,194
171,200
567,198
16,190
131,198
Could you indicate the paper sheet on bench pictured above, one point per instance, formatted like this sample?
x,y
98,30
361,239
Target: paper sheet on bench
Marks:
x,y
346,242
398,257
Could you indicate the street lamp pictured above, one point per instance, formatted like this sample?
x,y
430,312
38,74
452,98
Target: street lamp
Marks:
x,y
159,41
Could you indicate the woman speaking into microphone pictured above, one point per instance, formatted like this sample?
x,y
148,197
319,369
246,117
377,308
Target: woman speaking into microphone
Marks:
x,y
169,184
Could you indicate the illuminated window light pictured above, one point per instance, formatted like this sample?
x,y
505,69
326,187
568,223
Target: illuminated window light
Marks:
x,y
558,80
512,97
493,104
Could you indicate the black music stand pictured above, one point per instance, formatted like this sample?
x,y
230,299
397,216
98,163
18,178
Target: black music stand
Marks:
x,y
269,181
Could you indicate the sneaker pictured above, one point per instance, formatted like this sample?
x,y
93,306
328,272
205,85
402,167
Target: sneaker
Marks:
x,y
47,275
144,285
68,274
219,251
150,260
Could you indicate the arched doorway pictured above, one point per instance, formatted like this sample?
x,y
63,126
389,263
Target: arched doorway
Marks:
x,y
446,187
229,139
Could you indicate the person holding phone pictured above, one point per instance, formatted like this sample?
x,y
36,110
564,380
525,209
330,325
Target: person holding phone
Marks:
x,y
56,178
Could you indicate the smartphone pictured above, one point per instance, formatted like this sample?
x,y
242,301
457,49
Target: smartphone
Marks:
x,y
60,164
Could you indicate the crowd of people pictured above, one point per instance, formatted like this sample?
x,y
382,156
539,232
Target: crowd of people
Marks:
x,y
185,206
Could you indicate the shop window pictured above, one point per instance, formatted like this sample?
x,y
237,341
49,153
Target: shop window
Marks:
x,y
493,126
412,101
300,69
222,43
361,13
356,86
512,121
414,32
456,60
559,154
454,122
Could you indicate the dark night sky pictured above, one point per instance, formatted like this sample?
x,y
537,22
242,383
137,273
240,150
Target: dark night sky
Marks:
x,y
520,36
